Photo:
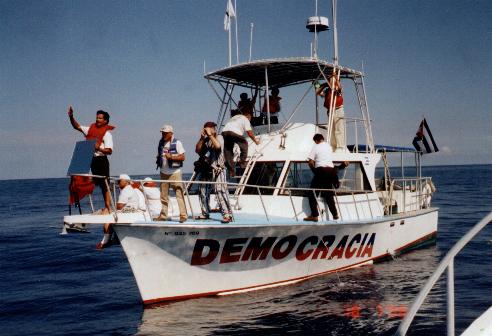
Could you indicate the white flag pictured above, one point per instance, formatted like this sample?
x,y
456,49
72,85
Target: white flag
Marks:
x,y
229,13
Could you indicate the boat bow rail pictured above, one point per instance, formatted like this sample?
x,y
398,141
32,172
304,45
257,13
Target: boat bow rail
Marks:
x,y
446,264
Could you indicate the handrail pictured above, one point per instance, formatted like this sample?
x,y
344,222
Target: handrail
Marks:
x,y
287,191
446,263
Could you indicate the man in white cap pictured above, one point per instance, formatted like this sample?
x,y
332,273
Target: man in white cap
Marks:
x,y
153,195
128,200
170,157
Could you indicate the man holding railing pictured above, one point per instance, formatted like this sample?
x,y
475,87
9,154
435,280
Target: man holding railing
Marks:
x,y
325,177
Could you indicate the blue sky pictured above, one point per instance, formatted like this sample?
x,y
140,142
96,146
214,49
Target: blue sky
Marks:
x,y
143,61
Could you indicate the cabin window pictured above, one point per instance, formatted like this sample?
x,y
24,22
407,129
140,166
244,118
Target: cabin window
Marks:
x,y
300,175
353,177
264,174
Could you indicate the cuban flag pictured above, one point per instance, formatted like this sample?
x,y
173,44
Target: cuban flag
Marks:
x,y
424,141
229,13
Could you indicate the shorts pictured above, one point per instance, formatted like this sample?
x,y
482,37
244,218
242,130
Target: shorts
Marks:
x,y
100,166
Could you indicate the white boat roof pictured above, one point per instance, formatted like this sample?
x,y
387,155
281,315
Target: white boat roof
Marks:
x,y
281,72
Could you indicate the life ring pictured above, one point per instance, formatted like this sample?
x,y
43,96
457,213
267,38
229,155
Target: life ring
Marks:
x,y
426,194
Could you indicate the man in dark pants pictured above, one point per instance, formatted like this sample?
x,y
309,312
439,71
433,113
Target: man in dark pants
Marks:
x,y
98,131
325,177
233,134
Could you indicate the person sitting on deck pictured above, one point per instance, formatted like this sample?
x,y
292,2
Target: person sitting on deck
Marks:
x,y
128,201
153,195
233,134
325,177
211,168
274,104
325,90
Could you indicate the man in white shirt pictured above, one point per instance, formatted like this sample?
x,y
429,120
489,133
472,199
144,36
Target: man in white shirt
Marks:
x,y
325,177
128,200
170,157
233,134
153,195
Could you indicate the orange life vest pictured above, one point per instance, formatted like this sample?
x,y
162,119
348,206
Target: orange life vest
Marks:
x,y
97,133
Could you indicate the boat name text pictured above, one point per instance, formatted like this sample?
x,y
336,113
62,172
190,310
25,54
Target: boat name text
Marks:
x,y
234,250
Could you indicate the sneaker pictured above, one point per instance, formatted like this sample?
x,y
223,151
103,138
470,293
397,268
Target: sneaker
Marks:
x,y
311,219
182,219
161,218
202,217
226,219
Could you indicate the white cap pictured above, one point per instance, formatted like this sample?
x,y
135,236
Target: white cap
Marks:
x,y
167,128
148,179
124,177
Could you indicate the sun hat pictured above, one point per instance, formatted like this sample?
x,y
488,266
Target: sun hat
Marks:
x,y
124,177
167,128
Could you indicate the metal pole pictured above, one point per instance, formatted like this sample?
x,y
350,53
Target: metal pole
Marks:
x,y
267,97
263,204
293,207
237,40
335,31
251,41
450,288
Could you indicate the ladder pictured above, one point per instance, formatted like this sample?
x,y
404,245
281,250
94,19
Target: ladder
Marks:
x,y
362,97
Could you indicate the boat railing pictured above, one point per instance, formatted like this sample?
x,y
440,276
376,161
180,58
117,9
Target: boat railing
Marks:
x,y
356,123
416,193
284,192
411,186
447,263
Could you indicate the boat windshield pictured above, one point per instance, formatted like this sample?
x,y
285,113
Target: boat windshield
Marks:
x,y
264,174
299,175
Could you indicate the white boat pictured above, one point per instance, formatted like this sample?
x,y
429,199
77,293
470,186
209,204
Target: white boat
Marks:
x,y
269,244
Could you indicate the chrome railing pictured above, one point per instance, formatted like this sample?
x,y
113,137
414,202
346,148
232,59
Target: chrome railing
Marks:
x,y
357,201
446,264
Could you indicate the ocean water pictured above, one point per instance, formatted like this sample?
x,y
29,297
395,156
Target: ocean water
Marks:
x,y
52,284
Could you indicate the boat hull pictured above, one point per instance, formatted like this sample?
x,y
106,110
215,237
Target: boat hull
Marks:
x,y
172,262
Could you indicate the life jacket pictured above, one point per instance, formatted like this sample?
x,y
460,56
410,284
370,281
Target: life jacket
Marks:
x,y
97,133
80,186
274,103
172,150
338,99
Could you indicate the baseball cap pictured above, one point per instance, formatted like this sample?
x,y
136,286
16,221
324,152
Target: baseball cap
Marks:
x,y
209,124
124,177
167,128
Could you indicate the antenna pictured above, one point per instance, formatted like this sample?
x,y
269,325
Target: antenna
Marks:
x,y
316,24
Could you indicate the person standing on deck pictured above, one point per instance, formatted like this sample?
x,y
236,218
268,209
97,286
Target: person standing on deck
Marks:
x,y
325,90
274,104
170,157
98,131
246,105
211,167
325,177
233,134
